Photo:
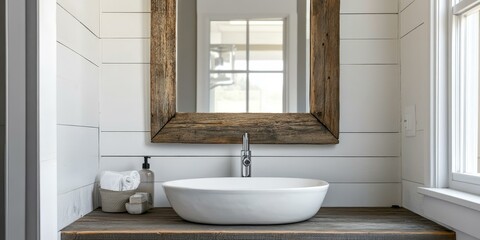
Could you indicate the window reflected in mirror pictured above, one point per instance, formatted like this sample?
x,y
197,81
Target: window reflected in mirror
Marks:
x,y
247,66
236,57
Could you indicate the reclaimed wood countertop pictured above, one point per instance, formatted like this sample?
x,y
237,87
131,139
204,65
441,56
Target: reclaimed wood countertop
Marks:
x,y
328,223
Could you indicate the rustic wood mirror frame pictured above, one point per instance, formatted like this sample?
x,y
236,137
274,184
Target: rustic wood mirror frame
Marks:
x,y
320,126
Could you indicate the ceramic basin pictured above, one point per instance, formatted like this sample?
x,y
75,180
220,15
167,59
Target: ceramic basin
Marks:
x,y
246,201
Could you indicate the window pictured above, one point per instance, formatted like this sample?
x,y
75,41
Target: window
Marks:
x,y
247,72
247,57
465,91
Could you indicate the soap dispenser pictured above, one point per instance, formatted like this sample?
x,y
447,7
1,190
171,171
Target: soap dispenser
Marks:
x,y
147,180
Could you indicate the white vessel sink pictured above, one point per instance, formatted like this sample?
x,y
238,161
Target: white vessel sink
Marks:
x,y
245,201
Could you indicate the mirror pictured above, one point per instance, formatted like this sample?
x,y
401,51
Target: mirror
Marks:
x,y
319,126
242,56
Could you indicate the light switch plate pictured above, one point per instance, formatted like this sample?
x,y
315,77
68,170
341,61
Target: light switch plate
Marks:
x,y
410,121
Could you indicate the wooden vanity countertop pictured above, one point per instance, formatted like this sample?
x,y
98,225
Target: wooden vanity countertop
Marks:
x,y
327,224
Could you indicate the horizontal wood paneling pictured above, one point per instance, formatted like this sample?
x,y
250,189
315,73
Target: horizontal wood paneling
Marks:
x,y
351,144
338,195
413,157
352,51
160,199
415,81
353,26
368,52
85,11
373,181
77,89
125,51
413,16
125,102
77,85
365,164
125,25
76,204
74,35
125,6
77,157
404,4
173,168
411,199
331,169
376,108
369,26
415,73
369,6
363,195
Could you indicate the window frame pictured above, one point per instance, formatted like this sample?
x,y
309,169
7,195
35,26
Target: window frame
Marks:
x,y
285,49
457,180
207,13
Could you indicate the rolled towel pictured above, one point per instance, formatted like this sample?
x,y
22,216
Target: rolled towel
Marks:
x,y
120,181
130,180
111,181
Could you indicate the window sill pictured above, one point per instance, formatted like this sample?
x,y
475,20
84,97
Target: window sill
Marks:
x,y
463,199
455,209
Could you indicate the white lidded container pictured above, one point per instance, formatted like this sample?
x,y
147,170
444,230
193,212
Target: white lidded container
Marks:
x,y
147,180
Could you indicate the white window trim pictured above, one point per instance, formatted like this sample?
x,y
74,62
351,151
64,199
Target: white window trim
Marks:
x,y
438,174
451,205
458,181
264,10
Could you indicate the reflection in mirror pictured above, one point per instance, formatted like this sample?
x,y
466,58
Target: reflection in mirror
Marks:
x,y
246,66
247,60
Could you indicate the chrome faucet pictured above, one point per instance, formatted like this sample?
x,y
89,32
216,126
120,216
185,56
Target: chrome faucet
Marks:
x,y
246,157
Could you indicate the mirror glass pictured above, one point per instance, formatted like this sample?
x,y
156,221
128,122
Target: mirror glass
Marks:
x,y
243,56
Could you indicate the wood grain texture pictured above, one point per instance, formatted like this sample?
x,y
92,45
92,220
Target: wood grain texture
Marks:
x,y
328,223
228,128
325,61
321,126
162,63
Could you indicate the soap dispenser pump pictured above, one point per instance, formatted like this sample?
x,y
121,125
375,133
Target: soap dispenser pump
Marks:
x,y
147,180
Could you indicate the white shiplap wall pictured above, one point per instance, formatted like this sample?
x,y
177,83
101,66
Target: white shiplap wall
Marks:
x,y
78,74
364,169
415,78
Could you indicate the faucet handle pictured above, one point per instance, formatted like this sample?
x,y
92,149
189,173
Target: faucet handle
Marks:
x,y
247,162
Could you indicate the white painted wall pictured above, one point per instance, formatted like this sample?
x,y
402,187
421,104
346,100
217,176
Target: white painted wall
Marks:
x,y
364,169
416,76
78,74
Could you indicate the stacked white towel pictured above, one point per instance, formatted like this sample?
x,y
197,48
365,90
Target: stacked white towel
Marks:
x,y
120,181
